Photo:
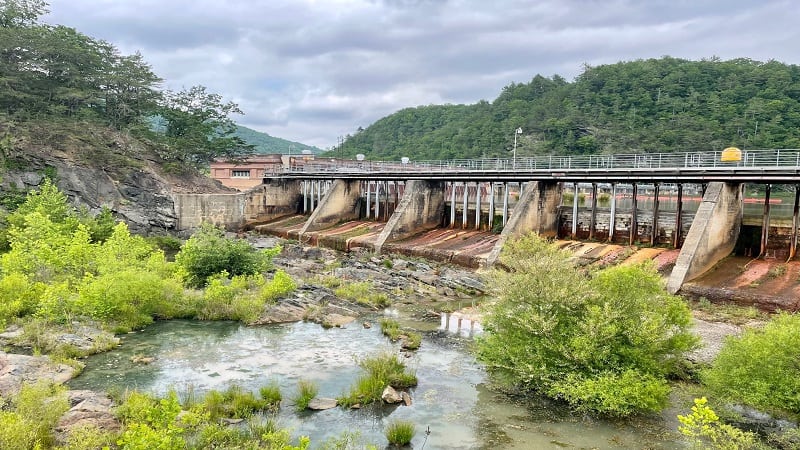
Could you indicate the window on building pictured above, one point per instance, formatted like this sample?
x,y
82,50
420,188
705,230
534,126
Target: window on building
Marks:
x,y
241,174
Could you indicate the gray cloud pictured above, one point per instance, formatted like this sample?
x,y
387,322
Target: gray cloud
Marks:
x,y
312,70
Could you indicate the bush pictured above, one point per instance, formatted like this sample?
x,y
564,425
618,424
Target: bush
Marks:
x,y
280,285
603,343
760,368
705,431
33,413
208,252
399,432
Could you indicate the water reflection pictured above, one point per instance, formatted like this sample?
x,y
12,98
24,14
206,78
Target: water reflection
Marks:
x,y
459,324
451,399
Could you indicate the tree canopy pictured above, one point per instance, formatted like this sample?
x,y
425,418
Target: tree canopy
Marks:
x,y
653,105
54,72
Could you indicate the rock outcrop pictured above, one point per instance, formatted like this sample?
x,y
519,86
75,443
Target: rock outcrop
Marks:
x,y
18,369
97,167
88,409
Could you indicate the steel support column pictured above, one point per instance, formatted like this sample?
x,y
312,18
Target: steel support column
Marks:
x,y
634,231
593,219
491,205
654,231
369,199
464,206
612,220
478,206
505,203
676,239
793,248
765,222
575,213
453,204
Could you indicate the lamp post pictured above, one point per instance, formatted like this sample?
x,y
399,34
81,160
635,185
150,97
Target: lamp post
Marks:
x,y
516,132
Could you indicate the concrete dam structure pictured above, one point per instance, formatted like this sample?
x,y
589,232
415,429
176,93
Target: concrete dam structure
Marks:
x,y
463,212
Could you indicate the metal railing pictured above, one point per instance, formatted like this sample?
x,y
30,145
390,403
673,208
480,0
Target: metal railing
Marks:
x,y
749,158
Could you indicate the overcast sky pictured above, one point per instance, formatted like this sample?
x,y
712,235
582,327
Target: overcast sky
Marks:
x,y
314,70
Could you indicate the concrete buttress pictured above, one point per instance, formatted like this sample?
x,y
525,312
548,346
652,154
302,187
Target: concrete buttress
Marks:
x,y
339,204
537,211
713,233
420,209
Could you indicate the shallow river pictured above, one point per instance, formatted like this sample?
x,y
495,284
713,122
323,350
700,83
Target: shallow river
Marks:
x,y
451,399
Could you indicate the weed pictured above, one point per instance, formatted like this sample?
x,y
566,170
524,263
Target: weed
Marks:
x,y
306,391
399,432
271,394
384,369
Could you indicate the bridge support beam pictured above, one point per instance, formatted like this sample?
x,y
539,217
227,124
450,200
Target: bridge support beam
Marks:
x,y
420,209
712,235
536,210
340,203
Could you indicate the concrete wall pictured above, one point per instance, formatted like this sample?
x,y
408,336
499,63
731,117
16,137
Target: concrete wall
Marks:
x,y
713,233
339,204
234,211
272,200
420,209
537,210
220,209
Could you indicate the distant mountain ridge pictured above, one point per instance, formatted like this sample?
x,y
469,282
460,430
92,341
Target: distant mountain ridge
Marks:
x,y
266,144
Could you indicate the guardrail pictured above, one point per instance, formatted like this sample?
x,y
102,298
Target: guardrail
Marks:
x,y
749,158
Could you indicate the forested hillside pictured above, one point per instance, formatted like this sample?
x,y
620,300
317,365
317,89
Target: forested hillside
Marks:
x,y
654,105
263,143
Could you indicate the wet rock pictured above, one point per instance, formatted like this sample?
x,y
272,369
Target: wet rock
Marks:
x,y
141,359
391,396
88,409
406,398
18,369
322,403
367,325
337,320
229,421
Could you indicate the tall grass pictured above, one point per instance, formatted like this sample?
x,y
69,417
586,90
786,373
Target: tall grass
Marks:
x,y
306,391
385,369
399,432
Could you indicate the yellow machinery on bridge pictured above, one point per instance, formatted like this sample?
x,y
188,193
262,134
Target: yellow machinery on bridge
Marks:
x,y
731,154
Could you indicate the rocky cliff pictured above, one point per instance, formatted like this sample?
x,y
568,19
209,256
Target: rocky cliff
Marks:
x,y
99,167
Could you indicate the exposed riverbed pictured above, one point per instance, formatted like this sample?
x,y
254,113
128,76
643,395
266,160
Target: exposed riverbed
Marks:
x,y
451,399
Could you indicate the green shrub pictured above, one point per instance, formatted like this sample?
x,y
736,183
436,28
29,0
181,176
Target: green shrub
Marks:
x,y
88,438
18,297
280,285
399,432
704,430
33,412
603,343
236,299
306,391
208,252
384,369
760,368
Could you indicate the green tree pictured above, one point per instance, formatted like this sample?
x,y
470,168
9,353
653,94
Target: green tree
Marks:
x,y
198,127
603,343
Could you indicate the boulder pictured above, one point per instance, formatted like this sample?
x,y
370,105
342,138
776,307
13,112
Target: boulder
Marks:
x,y
88,409
391,396
406,398
322,403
